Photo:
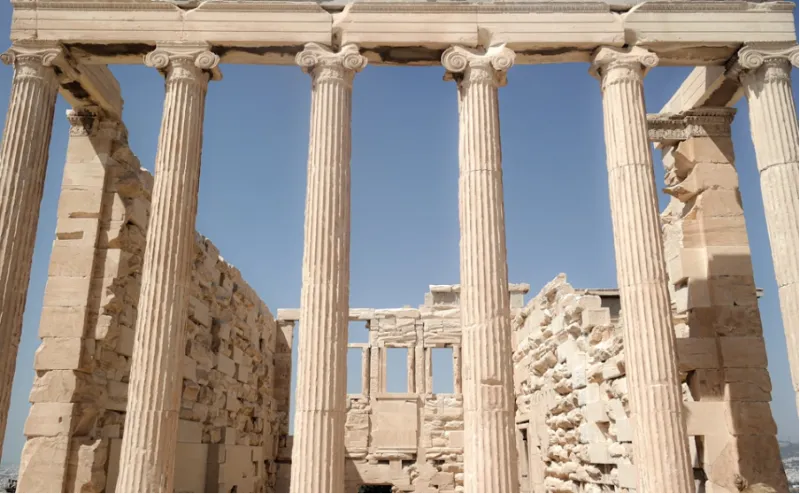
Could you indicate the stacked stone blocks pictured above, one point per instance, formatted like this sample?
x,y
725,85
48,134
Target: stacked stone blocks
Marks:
x,y
723,357
228,418
570,388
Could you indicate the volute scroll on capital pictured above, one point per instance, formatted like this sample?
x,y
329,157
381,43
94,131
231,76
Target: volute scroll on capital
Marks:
x,y
774,60
323,63
474,65
29,57
634,61
192,59
753,56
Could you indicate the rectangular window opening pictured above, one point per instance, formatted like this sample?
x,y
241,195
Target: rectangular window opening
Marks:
x,y
354,371
442,369
397,370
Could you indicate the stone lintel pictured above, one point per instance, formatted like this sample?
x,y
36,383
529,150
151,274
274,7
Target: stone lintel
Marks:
x,y
704,86
713,86
668,128
614,292
409,32
92,86
83,86
355,314
512,288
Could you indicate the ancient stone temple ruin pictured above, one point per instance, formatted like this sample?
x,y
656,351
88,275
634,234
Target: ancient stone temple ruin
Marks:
x,y
160,369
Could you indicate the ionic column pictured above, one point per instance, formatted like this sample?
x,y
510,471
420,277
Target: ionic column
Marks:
x,y
490,456
147,459
318,451
765,77
660,446
23,163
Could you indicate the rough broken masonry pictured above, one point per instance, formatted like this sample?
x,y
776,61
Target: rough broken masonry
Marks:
x,y
161,370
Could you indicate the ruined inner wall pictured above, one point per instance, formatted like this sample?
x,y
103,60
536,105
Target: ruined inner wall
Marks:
x,y
572,410
74,430
574,433
412,441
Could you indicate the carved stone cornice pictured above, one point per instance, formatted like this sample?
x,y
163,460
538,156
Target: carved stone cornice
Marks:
x,y
469,65
702,122
91,122
776,58
611,65
184,61
29,57
322,63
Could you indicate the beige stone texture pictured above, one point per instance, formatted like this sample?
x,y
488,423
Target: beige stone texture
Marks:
x,y
147,461
80,393
412,440
661,447
23,163
765,77
412,31
720,343
318,453
183,383
489,451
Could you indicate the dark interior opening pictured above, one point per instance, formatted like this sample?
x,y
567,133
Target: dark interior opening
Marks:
x,y
375,488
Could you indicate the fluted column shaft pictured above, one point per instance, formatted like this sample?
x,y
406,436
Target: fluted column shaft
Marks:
x,y
661,448
490,455
318,448
767,83
23,164
147,459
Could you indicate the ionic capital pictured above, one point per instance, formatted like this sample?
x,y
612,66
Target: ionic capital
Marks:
x,y
754,55
28,58
775,58
322,63
611,65
700,122
184,61
473,65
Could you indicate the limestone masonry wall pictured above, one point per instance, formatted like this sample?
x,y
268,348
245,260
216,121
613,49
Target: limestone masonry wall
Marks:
x,y
411,440
227,414
572,425
574,432
572,412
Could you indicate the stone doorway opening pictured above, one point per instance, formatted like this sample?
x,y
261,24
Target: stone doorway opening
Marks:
x,y
375,488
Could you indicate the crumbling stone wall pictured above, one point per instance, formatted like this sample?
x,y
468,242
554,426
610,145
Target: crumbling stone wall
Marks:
x,y
574,432
571,395
76,423
412,440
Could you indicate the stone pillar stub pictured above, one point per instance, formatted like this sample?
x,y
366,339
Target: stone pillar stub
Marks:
x,y
764,70
661,448
714,297
490,455
147,458
23,164
318,450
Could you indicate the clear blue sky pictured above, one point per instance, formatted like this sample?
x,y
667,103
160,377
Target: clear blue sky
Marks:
x,y
404,188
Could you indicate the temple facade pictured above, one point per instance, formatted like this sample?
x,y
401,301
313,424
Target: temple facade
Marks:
x,y
157,358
